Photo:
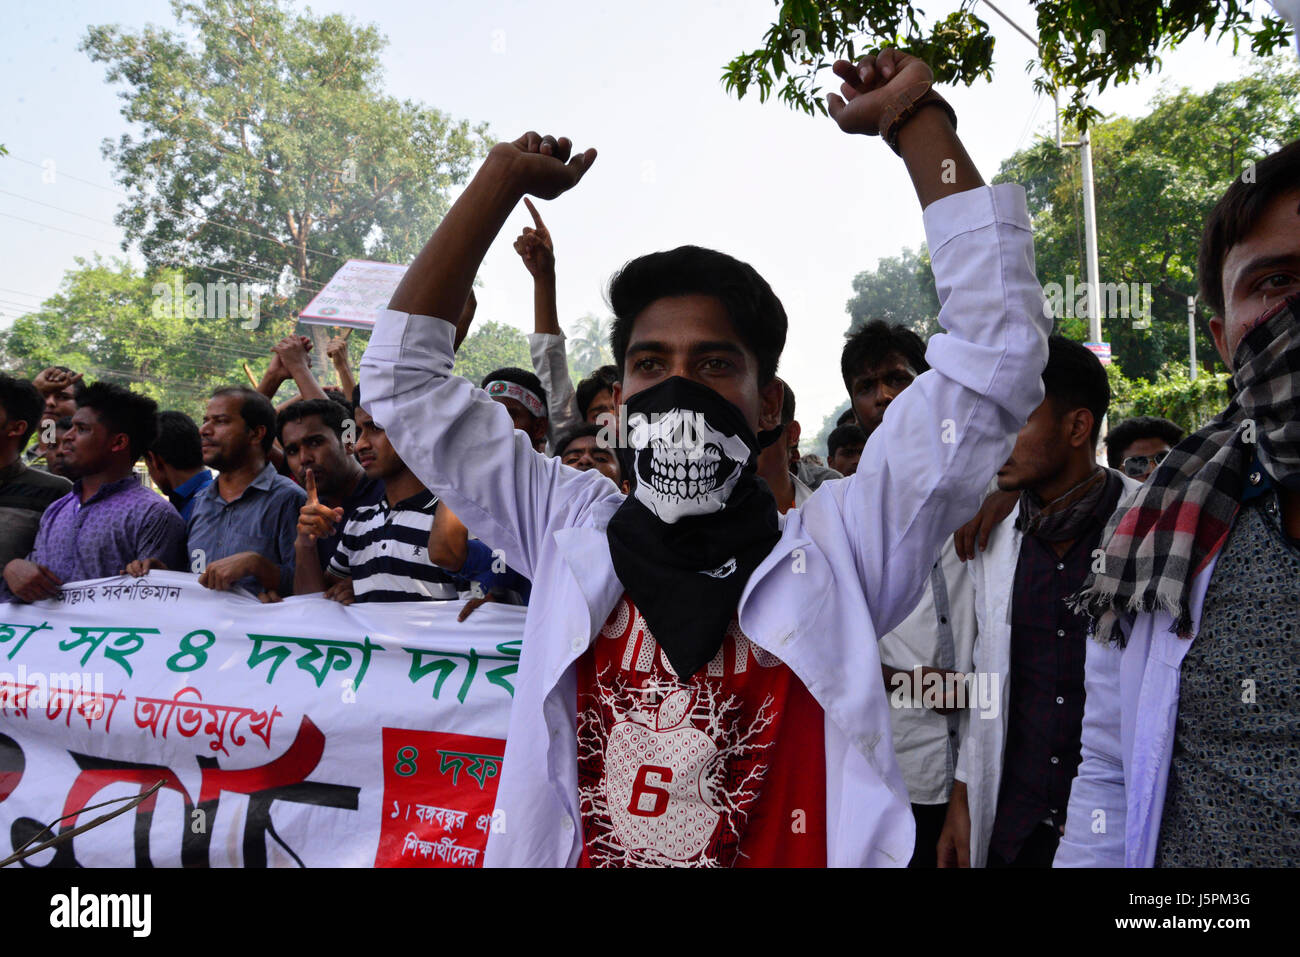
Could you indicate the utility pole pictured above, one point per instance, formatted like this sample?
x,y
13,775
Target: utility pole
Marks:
x,y
1090,239
1191,332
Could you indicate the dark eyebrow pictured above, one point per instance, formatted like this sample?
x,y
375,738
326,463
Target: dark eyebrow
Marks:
x,y
1267,262
712,345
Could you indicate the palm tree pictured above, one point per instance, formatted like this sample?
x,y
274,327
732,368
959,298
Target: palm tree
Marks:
x,y
589,345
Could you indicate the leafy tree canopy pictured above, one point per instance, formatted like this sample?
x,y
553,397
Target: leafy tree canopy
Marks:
x,y
1082,43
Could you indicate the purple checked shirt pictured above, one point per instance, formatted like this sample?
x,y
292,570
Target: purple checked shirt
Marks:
x,y
98,538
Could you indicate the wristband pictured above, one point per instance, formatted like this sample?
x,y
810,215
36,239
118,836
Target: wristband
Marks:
x,y
907,106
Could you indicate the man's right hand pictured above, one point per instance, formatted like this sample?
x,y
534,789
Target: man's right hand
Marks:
x,y
996,507
142,566
542,165
52,380
31,582
535,247
315,520
954,839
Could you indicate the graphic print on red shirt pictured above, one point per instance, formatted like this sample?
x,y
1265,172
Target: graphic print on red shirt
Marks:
x,y
727,769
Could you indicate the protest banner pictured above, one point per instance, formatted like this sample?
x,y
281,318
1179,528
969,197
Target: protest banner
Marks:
x,y
354,295
304,733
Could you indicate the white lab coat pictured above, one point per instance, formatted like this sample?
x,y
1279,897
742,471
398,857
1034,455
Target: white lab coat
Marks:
x,y
979,762
850,563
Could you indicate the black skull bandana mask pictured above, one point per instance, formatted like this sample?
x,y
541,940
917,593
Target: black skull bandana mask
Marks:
x,y
697,521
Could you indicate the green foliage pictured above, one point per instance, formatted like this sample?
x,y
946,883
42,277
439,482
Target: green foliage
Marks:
x,y
900,290
1156,178
1081,43
492,345
106,322
1173,395
588,346
265,151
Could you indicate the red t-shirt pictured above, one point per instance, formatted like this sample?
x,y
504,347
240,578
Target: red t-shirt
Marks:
x,y
727,769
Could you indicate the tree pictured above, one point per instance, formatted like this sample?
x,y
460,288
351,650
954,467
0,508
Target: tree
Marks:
x,y
107,322
1081,43
1157,177
588,347
491,346
900,290
266,152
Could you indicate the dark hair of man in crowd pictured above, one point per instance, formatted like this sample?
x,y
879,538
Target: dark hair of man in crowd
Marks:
x,y
844,435
335,394
521,377
178,443
332,415
123,412
1236,214
1075,379
875,342
22,402
602,380
255,409
846,418
577,432
787,404
79,387
753,308
1135,429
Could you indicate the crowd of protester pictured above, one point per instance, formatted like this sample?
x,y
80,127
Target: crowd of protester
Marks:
x,y
962,537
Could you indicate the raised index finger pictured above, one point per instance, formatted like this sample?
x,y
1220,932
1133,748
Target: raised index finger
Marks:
x,y
311,489
537,218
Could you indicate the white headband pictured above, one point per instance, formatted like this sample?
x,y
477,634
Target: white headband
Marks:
x,y
501,389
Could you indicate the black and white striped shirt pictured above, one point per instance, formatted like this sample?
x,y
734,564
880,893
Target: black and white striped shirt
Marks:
x,y
385,551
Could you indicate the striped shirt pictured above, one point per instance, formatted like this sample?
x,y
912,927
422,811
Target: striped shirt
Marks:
x,y
384,549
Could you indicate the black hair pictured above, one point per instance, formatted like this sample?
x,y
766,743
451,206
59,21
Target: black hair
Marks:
x,y
356,397
787,404
753,308
577,432
331,413
335,394
1238,212
123,412
847,417
1074,378
602,380
79,387
844,435
63,424
255,409
1139,427
178,443
22,402
521,377
875,342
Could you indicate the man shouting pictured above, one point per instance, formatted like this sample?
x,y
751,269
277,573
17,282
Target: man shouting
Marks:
x,y
699,683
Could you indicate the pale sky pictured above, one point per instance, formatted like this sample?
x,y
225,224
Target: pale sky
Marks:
x,y
680,160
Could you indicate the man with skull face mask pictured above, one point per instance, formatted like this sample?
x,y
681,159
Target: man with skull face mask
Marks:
x,y
699,683
1197,601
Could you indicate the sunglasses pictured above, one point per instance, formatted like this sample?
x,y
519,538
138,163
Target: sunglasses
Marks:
x,y
1135,466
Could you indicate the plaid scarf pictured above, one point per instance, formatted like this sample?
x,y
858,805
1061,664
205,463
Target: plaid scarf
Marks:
x,y
1181,517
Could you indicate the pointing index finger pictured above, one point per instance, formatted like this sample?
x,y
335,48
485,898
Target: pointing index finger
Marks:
x,y
537,218
311,489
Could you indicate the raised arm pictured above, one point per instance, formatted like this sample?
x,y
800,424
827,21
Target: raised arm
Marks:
x,y
546,345
442,274
924,470
337,351
458,441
